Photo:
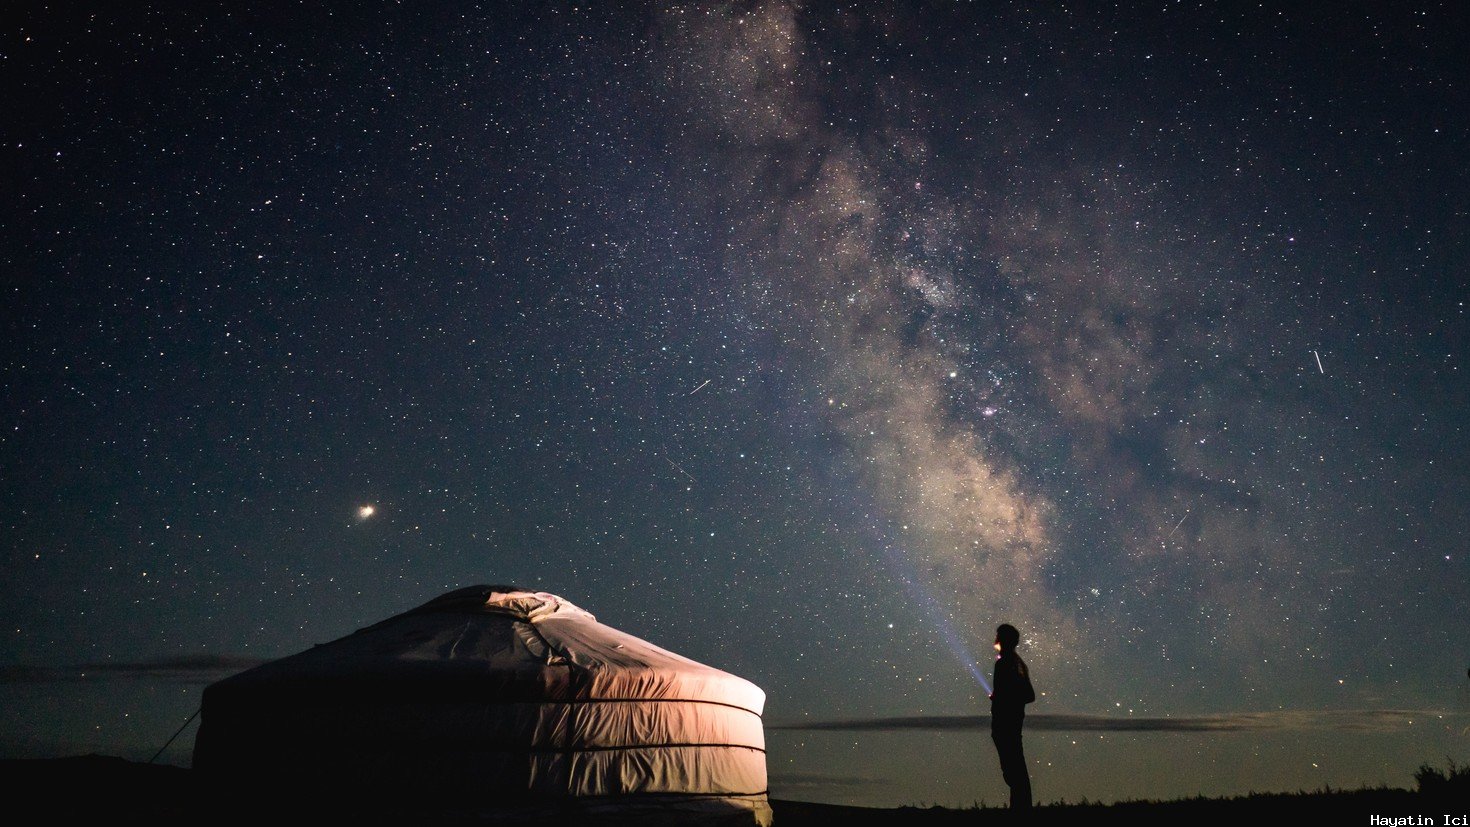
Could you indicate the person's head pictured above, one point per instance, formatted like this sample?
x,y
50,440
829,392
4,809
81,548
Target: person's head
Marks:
x,y
1006,637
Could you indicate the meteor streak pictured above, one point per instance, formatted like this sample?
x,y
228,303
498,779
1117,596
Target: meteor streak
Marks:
x,y
676,466
680,469
1177,525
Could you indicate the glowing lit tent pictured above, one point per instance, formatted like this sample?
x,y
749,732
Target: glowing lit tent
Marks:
x,y
493,702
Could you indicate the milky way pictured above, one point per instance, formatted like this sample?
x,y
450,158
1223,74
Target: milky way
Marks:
x,y
1052,385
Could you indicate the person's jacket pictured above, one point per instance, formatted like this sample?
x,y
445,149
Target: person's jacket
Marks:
x,y
1012,685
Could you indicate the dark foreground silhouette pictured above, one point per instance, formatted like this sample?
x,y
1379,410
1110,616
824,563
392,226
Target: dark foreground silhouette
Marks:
x,y
1013,691
121,791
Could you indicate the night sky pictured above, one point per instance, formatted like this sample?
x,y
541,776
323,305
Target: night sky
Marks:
x,y
809,342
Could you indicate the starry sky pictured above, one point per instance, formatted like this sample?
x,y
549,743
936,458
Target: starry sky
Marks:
x,y
810,341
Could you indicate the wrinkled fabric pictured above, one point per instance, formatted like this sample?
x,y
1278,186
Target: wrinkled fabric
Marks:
x,y
519,695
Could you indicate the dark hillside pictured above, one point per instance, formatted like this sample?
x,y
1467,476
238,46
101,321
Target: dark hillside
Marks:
x,y
102,787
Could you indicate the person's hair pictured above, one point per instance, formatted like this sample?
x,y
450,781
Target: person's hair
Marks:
x,y
1007,635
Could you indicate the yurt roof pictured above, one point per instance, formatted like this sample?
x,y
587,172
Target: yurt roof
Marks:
x,y
494,643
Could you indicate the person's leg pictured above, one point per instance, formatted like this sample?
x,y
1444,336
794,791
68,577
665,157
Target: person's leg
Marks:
x,y
1020,781
1007,738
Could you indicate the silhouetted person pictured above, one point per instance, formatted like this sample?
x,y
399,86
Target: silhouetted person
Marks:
x,y
1008,712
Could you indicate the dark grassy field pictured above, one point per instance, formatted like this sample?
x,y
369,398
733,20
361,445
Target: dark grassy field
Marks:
x,y
1337,806
99,787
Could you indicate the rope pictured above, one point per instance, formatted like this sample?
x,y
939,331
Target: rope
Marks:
x,y
176,735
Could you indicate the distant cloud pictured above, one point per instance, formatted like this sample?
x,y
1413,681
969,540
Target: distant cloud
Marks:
x,y
1336,720
178,669
791,782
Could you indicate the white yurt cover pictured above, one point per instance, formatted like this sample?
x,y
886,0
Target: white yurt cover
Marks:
x,y
493,702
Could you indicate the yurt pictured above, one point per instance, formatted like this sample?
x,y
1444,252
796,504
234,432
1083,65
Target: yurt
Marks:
x,y
491,703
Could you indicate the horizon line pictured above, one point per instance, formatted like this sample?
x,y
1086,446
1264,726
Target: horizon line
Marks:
x,y
1336,720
